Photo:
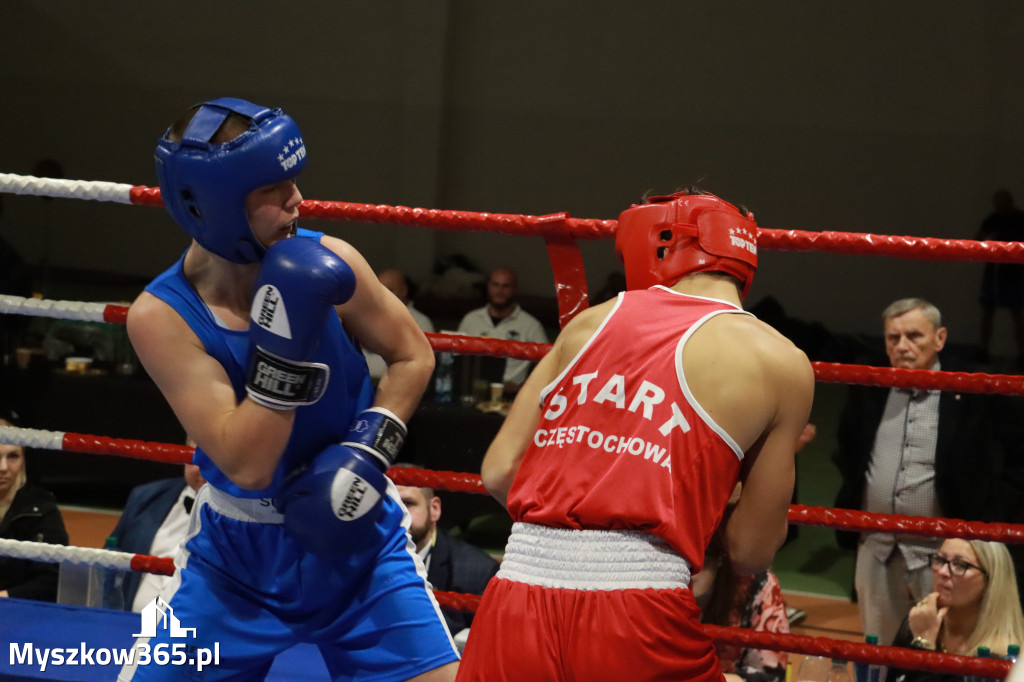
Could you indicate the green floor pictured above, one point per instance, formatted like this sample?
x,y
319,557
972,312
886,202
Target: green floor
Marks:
x,y
812,562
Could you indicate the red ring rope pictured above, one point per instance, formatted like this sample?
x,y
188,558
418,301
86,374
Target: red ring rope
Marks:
x,y
966,382
829,241
466,482
925,526
859,651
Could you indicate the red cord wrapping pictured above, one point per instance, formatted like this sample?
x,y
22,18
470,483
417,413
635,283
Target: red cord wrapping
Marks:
x,y
828,241
860,651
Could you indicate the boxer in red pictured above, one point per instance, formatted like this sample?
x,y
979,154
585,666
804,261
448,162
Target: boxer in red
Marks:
x,y
621,451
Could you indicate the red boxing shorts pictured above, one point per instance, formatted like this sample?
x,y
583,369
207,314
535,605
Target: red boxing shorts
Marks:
x,y
553,613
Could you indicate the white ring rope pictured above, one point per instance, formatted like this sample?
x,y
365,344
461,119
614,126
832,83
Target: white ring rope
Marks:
x,y
32,438
96,190
41,551
63,310
56,554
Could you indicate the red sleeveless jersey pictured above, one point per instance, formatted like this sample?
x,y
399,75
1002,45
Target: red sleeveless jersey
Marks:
x,y
622,444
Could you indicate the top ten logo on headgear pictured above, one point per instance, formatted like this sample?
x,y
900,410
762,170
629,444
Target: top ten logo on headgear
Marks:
x,y
292,153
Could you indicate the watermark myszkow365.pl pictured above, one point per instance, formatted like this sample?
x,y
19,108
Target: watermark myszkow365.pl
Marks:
x,y
157,615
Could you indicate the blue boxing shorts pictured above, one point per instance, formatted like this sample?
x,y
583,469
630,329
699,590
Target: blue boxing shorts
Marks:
x,y
245,590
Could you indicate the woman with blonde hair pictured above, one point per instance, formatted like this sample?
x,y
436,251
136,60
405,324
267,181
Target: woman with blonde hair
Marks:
x,y
974,603
26,513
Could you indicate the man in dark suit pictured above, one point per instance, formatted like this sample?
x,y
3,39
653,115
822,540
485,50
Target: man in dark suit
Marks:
x,y
154,521
452,565
920,453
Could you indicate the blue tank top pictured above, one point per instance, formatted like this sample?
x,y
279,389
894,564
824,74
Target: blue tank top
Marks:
x,y
349,390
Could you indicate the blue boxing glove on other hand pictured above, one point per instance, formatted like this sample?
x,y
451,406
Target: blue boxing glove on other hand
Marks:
x,y
331,505
298,286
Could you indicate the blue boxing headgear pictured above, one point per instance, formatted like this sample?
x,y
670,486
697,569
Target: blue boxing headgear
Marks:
x,y
204,184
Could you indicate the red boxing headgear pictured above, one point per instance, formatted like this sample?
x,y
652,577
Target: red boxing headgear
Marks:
x,y
664,240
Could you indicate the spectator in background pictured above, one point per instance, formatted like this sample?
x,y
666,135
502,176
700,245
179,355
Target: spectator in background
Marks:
x,y
399,284
920,453
1002,284
452,565
504,318
154,522
974,603
26,513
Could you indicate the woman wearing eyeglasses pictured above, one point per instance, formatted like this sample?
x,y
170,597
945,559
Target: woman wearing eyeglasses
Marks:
x,y
974,602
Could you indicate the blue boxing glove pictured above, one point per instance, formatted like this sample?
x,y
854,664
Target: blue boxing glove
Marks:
x,y
298,286
331,505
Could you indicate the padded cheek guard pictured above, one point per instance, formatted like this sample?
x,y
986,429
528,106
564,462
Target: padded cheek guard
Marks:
x,y
663,241
204,185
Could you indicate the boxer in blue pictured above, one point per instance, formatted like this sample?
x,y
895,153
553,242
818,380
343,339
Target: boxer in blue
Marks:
x,y
298,536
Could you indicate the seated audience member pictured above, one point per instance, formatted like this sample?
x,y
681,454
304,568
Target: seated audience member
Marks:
x,y
750,601
27,513
154,522
452,565
399,284
974,603
503,318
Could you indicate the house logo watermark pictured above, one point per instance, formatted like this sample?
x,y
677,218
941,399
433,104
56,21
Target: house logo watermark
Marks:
x,y
158,614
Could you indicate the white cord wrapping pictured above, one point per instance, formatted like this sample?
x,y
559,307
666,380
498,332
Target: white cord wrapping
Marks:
x,y
64,310
96,190
55,554
32,438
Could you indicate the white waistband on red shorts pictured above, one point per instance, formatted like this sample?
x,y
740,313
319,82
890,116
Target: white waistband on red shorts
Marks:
x,y
572,559
251,509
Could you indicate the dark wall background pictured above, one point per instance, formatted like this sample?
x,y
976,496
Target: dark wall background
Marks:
x,y
868,116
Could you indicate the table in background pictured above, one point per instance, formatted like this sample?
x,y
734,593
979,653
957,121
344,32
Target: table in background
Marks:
x,y
453,437
107,404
